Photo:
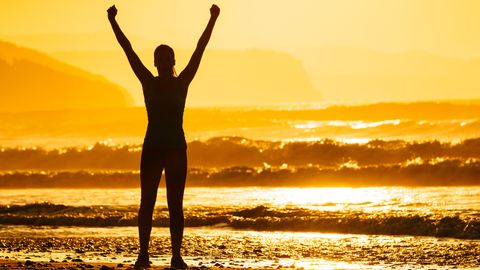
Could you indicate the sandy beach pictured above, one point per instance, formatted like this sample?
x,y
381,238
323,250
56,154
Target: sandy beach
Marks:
x,y
298,135
231,249
27,264
38,265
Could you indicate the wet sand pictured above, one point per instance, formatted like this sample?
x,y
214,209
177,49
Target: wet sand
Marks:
x,y
80,264
231,249
20,264
38,265
27,264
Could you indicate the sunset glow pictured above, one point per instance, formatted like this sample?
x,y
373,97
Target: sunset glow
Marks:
x,y
309,134
433,42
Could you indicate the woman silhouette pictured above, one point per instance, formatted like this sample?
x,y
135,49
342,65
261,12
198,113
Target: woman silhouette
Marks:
x,y
164,146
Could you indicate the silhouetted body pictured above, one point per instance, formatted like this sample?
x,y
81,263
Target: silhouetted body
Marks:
x,y
165,102
164,146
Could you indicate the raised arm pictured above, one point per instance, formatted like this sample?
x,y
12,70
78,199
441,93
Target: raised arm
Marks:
x,y
189,72
143,74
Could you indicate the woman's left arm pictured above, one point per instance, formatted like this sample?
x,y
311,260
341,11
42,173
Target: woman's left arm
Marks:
x,y
189,72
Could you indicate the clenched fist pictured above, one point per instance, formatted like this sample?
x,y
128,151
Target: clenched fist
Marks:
x,y
214,11
112,12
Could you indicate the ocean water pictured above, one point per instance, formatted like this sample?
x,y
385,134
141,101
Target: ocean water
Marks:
x,y
336,187
237,161
445,122
340,228
434,211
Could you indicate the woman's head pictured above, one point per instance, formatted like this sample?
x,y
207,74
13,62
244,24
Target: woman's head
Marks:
x,y
164,59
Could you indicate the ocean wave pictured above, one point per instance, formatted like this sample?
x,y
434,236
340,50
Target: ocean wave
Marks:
x,y
449,172
259,218
239,151
411,121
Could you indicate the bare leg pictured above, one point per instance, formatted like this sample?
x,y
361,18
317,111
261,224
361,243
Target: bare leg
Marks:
x,y
176,172
150,174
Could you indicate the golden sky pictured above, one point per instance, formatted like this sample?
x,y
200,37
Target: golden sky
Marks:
x,y
439,26
351,50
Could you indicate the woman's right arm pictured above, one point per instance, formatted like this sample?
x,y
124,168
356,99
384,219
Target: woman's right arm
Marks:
x,y
142,73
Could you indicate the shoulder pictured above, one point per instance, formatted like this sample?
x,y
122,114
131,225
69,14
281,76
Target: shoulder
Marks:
x,y
181,82
184,80
182,85
148,83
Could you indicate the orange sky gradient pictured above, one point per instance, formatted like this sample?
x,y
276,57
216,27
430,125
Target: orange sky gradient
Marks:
x,y
447,29
439,26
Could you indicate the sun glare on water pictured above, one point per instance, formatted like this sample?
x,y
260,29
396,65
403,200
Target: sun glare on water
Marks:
x,y
321,197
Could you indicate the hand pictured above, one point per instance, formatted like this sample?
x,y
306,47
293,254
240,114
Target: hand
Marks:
x,y
112,12
214,11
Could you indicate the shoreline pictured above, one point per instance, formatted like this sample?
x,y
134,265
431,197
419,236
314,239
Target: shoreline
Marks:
x,y
28,264
217,249
46,264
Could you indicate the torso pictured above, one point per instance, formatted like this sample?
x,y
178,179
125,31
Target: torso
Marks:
x,y
165,103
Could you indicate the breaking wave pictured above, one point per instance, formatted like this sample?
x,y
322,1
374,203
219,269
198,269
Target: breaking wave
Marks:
x,y
252,218
239,151
450,172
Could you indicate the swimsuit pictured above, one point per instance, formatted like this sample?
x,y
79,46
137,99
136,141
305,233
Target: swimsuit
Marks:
x,y
165,103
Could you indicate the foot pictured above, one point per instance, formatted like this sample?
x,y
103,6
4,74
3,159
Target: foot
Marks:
x,y
178,263
142,262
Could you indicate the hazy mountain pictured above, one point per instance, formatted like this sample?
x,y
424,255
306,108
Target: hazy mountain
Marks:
x,y
225,77
52,42
355,74
31,80
349,74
